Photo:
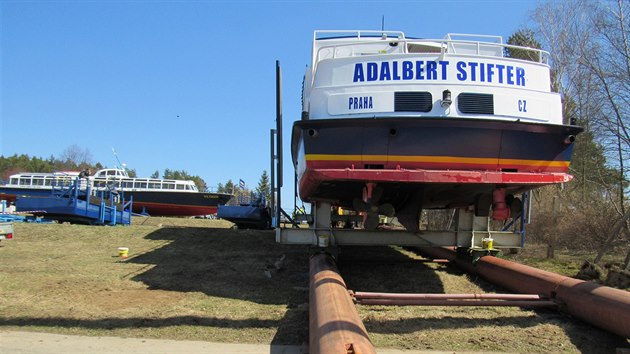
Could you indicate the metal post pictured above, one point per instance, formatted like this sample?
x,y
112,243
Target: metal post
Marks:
x,y
278,139
272,140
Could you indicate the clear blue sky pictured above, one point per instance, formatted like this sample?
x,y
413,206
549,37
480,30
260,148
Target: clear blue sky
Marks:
x,y
186,85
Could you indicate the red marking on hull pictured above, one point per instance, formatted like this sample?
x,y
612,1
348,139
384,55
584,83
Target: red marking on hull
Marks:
x,y
159,209
312,178
8,197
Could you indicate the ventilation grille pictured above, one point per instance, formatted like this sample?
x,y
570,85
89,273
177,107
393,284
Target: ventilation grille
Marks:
x,y
413,102
476,103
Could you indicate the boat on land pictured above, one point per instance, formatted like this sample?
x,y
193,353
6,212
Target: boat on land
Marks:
x,y
151,196
392,125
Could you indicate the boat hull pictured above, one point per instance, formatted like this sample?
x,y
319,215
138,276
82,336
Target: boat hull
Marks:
x,y
434,162
154,203
176,203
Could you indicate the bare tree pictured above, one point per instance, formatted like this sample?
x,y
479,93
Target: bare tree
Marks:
x,y
75,157
589,42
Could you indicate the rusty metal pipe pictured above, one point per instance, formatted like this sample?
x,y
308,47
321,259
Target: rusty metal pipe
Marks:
x,y
605,307
474,302
334,324
433,260
359,295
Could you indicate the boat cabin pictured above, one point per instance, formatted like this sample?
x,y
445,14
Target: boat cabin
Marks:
x,y
383,74
42,180
117,178
107,178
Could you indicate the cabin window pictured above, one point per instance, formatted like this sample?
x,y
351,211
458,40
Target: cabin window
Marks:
x,y
180,186
14,181
169,186
141,184
38,181
424,48
127,184
476,103
154,185
25,182
62,182
413,102
47,182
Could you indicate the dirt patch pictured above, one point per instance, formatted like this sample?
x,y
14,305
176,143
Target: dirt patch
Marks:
x,y
117,302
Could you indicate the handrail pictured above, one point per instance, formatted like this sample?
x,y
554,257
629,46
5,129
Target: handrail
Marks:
x,y
543,54
446,44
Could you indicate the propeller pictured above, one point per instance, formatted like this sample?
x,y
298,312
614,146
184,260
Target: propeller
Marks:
x,y
515,204
372,209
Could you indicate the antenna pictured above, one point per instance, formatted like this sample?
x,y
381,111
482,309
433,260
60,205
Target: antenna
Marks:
x,y
383,23
116,156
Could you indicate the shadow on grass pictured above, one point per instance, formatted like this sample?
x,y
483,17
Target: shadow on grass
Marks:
x,y
226,263
234,264
139,322
384,269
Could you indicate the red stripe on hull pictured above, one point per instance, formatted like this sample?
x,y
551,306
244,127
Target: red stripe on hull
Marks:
x,y
312,179
159,209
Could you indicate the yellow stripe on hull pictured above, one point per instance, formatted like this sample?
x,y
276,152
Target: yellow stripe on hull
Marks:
x,y
436,159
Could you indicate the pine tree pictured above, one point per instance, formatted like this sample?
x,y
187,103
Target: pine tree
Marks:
x,y
263,185
523,38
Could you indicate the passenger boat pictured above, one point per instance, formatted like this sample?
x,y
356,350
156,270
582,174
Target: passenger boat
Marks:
x,y
391,125
156,197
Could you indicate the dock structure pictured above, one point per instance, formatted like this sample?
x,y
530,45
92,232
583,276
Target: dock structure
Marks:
x,y
79,203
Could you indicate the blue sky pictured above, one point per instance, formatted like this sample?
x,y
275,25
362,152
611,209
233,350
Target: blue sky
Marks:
x,y
186,85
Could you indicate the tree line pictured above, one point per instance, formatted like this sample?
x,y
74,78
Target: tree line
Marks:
x,y
72,158
262,189
75,158
589,45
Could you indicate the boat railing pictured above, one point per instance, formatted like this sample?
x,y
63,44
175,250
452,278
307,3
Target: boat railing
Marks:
x,y
77,187
328,34
450,45
145,184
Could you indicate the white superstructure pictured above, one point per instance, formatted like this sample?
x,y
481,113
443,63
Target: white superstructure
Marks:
x,y
364,74
112,178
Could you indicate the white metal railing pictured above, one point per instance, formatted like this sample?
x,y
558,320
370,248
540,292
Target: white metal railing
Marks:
x,y
447,45
145,184
359,33
49,181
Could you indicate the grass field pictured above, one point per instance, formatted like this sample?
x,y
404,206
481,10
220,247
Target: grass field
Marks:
x,y
201,280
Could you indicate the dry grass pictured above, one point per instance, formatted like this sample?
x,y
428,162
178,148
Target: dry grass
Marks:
x,y
203,283
207,282
458,328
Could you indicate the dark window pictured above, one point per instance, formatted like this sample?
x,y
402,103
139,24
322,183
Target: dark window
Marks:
x,y
476,103
413,102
